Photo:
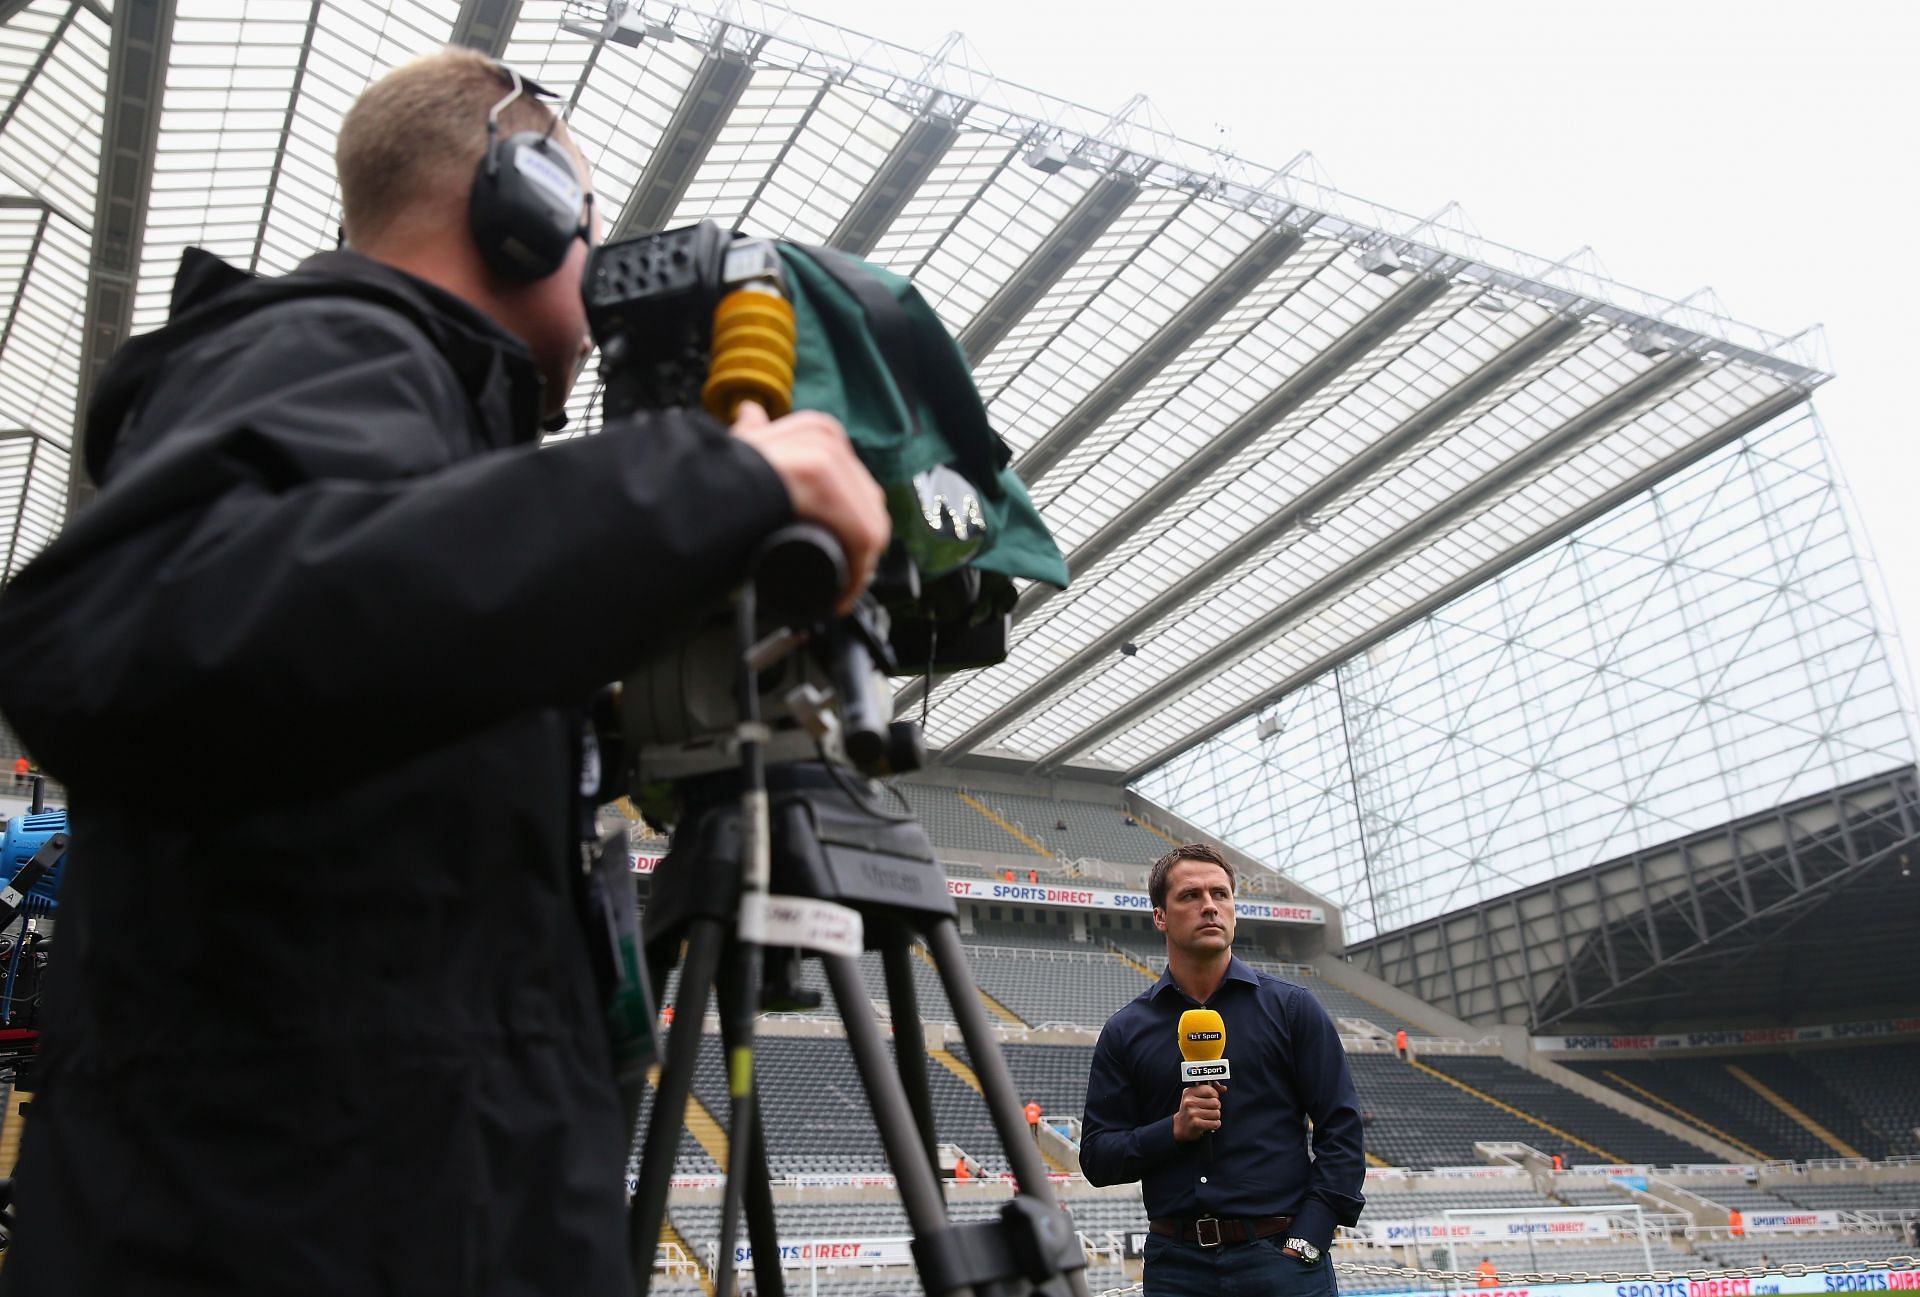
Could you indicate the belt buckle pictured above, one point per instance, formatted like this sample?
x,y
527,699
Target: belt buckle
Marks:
x,y
1201,1227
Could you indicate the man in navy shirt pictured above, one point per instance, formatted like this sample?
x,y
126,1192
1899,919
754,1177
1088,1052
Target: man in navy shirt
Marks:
x,y
1252,1209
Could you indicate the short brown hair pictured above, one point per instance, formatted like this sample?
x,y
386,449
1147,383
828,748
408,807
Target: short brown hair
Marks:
x,y
411,141
1157,876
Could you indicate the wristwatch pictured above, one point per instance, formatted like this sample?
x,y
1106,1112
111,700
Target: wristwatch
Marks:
x,y
1306,1251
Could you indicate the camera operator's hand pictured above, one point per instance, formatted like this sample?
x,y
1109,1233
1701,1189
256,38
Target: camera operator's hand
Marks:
x,y
826,482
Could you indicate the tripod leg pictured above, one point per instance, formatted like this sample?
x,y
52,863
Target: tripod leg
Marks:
x,y
649,1205
660,957
996,1082
909,1039
762,1231
739,990
912,1169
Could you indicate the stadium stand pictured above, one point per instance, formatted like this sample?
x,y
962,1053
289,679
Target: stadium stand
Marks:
x,y
1337,1000
815,1109
960,1117
1716,1104
965,869
1098,846
952,824
1414,1119
1802,1251
1604,1195
930,995
1860,1094
1143,941
1801,1080
1396,1205
1594,1258
1621,1137
1878,1082
1742,1197
1053,1075
1048,932
1098,1215
671,1285
818,1120
1102,832
1895,1199
1081,986
689,1158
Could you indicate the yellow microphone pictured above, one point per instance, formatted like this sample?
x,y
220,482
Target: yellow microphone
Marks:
x,y
1203,1047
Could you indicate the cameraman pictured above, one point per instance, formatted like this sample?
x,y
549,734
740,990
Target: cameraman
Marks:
x,y
325,1020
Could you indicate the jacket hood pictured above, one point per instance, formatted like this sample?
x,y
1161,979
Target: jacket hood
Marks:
x,y
210,295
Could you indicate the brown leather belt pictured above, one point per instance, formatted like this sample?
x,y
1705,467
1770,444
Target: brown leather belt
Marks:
x,y
1212,1231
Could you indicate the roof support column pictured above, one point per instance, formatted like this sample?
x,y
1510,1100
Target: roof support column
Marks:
x,y
485,25
136,80
709,100
912,159
1042,269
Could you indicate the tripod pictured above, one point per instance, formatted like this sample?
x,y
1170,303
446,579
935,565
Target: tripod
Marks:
x,y
829,844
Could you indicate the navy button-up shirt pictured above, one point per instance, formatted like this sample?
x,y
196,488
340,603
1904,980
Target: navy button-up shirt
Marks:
x,y
1288,1067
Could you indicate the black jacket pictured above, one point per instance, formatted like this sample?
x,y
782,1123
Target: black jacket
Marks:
x,y
321,1012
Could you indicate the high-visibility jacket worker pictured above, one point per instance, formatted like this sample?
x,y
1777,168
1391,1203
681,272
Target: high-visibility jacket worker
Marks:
x,y
960,1171
1736,1223
1489,1273
1033,1113
1400,1041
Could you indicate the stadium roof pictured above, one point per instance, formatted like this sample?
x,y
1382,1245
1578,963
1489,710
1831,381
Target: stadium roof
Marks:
x,y
1270,423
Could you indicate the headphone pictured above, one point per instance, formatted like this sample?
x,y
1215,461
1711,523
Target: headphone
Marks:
x,y
527,206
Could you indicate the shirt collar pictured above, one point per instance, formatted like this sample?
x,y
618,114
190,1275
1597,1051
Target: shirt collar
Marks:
x,y
1236,972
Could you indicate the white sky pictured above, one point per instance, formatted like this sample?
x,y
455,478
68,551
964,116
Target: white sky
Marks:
x,y
1766,149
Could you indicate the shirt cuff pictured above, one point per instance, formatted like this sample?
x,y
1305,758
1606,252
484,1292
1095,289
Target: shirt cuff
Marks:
x,y
1314,1223
1156,1142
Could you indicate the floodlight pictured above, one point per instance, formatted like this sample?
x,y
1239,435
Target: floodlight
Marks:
x,y
1651,342
1050,157
1270,727
1380,260
633,28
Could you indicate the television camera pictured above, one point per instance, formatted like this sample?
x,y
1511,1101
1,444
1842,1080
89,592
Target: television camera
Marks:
x,y
760,734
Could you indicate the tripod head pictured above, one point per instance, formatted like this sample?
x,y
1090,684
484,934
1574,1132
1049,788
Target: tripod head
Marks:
x,y
821,682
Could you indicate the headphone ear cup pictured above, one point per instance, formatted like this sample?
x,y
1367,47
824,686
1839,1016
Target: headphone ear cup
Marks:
x,y
524,207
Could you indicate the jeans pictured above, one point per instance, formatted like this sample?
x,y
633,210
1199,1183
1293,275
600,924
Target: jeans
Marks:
x,y
1176,1268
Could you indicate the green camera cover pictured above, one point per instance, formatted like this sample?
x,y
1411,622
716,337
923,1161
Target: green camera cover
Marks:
x,y
872,353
